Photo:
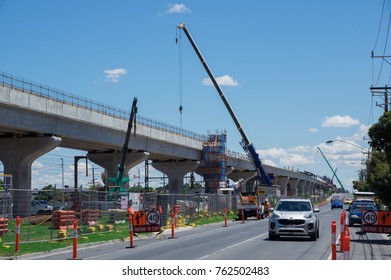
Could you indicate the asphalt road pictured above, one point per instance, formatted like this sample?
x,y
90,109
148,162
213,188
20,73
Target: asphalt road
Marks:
x,y
237,241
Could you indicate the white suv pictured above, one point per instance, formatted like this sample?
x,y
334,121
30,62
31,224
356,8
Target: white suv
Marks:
x,y
41,207
294,217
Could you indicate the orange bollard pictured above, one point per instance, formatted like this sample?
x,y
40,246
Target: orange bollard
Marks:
x,y
74,256
342,231
172,224
130,210
130,218
17,237
225,217
346,251
333,240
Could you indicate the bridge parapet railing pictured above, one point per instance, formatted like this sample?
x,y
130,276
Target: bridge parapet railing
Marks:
x,y
65,97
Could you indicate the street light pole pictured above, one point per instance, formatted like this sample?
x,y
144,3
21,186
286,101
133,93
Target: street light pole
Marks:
x,y
62,180
363,150
62,173
347,142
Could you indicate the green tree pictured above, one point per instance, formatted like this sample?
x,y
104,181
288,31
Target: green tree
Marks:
x,y
379,176
380,134
378,167
47,193
361,186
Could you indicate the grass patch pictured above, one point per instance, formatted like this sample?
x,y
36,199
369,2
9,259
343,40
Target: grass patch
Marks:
x,y
30,235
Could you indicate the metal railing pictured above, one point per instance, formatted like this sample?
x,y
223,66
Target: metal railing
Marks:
x,y
65,97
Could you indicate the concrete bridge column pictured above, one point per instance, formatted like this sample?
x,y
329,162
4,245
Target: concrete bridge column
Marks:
x,y
282,181
245,175
307,187
175,171
110,161
17,155
301,189
315,190
293,182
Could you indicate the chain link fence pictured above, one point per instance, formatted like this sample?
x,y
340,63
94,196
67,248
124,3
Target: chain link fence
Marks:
x,y
48,214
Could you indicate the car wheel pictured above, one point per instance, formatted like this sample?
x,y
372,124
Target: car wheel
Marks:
x,y
272,236
313,236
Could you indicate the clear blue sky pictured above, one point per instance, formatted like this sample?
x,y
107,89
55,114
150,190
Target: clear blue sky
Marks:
x,y
297,73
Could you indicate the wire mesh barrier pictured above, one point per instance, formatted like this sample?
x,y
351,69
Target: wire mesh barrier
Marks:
x,y
48,215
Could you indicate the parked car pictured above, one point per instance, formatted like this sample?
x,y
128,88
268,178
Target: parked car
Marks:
x,y
41,207
336,203
355,210
348,200
294,217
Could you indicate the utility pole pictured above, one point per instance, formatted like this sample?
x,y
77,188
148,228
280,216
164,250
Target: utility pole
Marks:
x,y
383,92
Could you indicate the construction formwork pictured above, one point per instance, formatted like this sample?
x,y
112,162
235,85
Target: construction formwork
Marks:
x,y
214,161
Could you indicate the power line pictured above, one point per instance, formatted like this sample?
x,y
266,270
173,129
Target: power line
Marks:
x,y
380,22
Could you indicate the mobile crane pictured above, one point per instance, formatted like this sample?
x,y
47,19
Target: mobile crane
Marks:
x,y
245,143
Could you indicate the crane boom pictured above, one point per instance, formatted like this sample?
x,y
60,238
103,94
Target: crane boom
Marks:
x,y
119,180
246,144
335,174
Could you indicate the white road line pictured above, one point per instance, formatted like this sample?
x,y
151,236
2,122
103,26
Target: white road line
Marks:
x,y
232,246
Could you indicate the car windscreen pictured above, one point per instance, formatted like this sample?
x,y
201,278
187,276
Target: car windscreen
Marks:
x,y
365,206
293,206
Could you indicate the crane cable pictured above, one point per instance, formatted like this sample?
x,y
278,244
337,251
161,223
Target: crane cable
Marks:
x,y
178,41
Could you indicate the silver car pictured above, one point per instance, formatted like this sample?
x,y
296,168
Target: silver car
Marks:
x,y
294,217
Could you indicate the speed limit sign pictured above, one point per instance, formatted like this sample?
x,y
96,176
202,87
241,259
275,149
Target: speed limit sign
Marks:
x,y
153,218
369,217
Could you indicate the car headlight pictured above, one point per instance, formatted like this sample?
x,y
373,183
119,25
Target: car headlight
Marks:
x,y
354,216
308,215
275,216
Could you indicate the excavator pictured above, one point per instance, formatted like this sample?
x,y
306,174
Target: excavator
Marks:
x,y
263,177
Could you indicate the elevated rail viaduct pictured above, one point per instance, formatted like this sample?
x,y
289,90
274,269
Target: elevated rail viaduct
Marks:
x,y
35,119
